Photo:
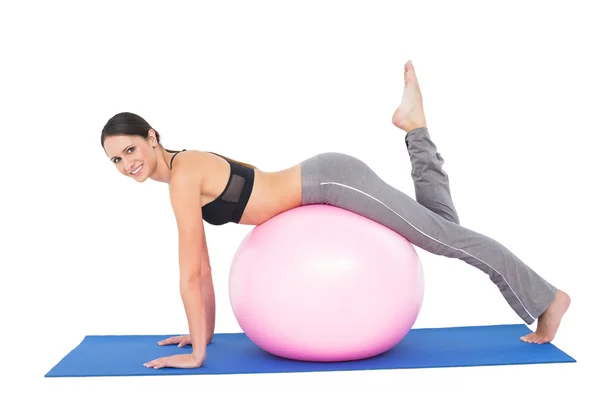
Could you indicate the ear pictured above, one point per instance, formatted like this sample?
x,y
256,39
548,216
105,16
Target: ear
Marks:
x,y
152,137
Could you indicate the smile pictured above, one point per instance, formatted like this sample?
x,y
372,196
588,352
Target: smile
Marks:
x,y
136,171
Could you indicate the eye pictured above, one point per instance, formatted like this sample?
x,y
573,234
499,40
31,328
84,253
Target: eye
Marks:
x,y
129,150
116,160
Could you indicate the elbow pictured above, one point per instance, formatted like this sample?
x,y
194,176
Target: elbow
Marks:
x,y
191,281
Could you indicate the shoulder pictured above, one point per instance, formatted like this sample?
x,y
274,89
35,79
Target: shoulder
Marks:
x,y
191,166
185,184
186,168
194,167
192,171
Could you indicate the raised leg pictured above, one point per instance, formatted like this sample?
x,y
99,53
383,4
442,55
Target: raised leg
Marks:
x,y
432,186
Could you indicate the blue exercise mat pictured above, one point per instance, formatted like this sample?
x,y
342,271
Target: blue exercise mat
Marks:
x,y
234,353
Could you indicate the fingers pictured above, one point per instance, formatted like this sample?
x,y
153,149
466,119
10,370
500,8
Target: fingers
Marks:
x,y
171,340
175,361
184,343
156,364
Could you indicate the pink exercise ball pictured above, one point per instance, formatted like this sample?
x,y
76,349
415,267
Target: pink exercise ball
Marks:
x,y
320,283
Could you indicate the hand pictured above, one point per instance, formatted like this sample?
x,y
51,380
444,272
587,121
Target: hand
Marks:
x,y
180,341
177,361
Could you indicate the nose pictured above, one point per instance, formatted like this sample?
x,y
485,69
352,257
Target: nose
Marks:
x,y
129,163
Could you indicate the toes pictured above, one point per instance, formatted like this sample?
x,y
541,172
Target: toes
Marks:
x,y
535,338
531,338
541,340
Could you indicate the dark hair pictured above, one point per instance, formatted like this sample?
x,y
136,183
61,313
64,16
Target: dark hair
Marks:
x,y
127,123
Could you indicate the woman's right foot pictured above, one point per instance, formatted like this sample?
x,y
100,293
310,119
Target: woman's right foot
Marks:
x,y
549,321
410,114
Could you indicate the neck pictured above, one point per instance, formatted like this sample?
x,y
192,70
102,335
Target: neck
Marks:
x,y
162,172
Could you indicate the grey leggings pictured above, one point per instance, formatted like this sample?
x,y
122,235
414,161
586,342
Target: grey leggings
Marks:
x,y
430,223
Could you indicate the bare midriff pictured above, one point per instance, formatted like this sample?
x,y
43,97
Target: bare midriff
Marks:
x,y
273,193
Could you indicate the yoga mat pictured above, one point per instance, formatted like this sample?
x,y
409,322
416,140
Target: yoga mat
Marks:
x,y
234,353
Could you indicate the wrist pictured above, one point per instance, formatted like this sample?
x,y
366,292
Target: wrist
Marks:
x,y
199,357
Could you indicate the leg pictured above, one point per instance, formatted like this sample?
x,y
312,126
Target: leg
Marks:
x,y
432,186
346,182
410,116
431,181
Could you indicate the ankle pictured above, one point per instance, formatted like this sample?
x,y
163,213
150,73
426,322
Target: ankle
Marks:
x,y
411,127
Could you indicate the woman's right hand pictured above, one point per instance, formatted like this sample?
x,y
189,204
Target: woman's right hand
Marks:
x,y
180,341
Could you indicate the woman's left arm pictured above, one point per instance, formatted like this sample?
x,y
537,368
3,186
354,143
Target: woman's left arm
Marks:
x,y
195,281
209,304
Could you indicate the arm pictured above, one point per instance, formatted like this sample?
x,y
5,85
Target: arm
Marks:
x,y
209,301
193,259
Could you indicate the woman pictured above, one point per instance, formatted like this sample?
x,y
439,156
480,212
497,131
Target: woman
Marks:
x,y
207,186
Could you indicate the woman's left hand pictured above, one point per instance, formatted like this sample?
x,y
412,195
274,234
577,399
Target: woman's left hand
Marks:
x,y
177,361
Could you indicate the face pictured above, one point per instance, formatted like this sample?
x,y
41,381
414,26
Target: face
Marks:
x,y
133,156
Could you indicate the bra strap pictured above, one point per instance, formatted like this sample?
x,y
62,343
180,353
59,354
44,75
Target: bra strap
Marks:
x,y
172,158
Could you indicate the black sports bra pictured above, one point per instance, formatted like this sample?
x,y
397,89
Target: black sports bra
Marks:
x,y
230,204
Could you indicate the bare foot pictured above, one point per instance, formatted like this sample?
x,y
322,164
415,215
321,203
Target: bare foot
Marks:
x,y
410,115
549,321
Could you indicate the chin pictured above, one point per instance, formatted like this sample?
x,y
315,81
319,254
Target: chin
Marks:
x,y
140,179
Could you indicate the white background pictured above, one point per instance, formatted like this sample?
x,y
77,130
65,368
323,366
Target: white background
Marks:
x,y
511,98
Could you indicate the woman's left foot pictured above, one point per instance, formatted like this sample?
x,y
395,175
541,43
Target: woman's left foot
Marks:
x,y
549,321
410,114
